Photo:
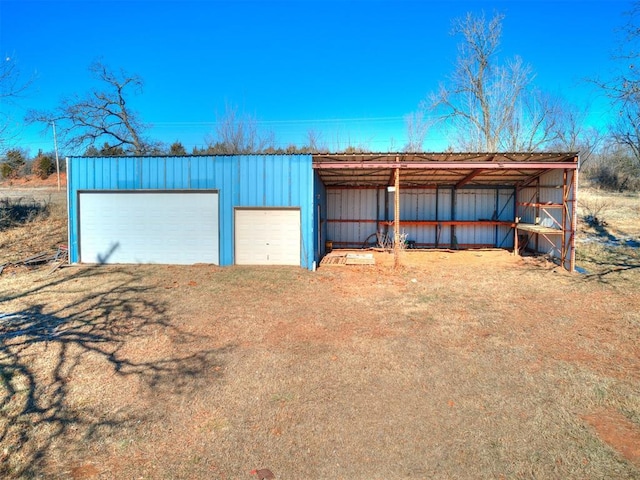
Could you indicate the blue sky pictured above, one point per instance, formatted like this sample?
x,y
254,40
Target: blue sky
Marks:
x,y
350,71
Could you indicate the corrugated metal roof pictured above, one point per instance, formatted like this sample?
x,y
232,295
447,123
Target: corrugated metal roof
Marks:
x,y
438,169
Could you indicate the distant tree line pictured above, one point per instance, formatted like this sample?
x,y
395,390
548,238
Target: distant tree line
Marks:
x,y
16,162
486,104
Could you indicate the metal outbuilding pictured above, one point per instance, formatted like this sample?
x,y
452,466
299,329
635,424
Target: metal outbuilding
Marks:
x,y
224,210
284,209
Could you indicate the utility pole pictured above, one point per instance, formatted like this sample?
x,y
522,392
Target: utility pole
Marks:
x,y
55,144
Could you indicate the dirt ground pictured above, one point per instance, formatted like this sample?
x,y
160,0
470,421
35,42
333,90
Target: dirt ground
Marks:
x,y
472,364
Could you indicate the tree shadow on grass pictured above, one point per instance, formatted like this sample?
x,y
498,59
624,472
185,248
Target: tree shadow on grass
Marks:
x,y
617,254
604,235
41,348
611,269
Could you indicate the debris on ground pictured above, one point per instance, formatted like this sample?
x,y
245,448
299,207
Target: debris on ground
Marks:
x,y
55,259
348,258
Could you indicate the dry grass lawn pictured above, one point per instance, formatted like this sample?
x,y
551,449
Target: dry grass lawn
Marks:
x,y
471,364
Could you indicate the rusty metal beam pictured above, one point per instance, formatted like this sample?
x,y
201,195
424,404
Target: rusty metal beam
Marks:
x,y
468,178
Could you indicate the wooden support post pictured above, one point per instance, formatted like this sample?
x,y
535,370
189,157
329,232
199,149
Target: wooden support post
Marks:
x,y
396,219
454,240
537,212
436,228
516,219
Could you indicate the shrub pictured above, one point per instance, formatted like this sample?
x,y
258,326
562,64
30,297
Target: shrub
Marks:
x,y
5,170
17,211
594,211
43,166
613,177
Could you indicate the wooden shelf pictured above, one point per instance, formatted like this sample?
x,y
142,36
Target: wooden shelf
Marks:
x,y
530,227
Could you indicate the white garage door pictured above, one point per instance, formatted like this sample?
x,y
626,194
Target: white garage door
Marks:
x,y
149,227
267,236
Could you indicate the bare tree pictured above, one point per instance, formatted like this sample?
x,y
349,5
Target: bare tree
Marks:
x,y
315,144
572,135
490,106
238,134
12,86
624,88
101,116
417,128
534,122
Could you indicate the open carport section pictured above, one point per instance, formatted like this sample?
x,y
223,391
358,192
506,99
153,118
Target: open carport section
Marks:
x,y
452,200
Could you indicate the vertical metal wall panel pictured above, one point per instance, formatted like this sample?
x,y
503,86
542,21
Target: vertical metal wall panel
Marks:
x,y
506,205
333,213
527,195
475,204
72,211
506,213
105,174
551,192
465,204
227,174
126,174
298,176
249,169
504,237
275,190
418,204
471,205
178,173
554,179
153,174
254,180
443,234
320,217
113,175
359,206
193,173
444,204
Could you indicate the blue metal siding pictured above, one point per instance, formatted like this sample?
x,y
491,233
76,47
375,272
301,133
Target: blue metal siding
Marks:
x,y
242,181
319,217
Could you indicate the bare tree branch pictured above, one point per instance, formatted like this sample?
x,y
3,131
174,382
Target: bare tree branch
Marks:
x,y
239,134
12,87
101,115
624,88
489,106
417,128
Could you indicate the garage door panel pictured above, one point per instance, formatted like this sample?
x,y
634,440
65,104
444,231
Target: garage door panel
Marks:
x,y
146,227
267,236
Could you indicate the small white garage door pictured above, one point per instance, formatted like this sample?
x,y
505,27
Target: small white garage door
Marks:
x,y
149,227
266,236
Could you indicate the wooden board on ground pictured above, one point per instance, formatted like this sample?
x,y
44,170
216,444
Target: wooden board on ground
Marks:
x,y
360,259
